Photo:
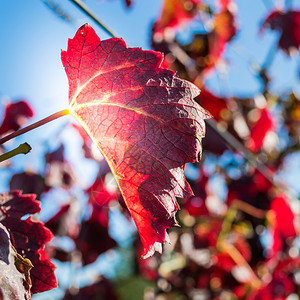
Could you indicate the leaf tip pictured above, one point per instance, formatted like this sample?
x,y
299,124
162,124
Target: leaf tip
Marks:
x,y
157,246
84,29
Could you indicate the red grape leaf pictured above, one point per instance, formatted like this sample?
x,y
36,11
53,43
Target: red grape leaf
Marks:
x,y
55,156
205,49
288,25
89,246
54,223
13,283
102,289
260,129
28,237
284,216
280,287
210,145
251,189
212,103
282,221
59,172
97,224
224,30
175,13
84,237
29,183
16,115
225,26
128,3
100,198
144,121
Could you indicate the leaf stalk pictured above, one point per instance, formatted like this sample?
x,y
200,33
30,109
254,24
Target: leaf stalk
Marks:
x,y
21,149
34,125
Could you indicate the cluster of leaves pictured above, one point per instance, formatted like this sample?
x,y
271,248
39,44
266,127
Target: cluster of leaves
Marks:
x,y
145,123
220,250
26,267
147,126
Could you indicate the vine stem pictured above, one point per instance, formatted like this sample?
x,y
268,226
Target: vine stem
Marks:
x,y
238,258
82,6
34,125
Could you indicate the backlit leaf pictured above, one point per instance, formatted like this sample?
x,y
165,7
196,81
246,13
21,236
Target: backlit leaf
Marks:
x,y
144,121
16,116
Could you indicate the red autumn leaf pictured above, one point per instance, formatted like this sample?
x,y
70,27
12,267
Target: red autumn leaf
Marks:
x,y
102,289
224,4
65,221
55,156
288,24
175,13
278,289
284,216
212,103
223,31
16,115
87,142
97,225
59,172
144,121
54,223
29,183
60,175
83,234
250,189
205,49
13,282
196,205
224,25
128,3
259,130
28,237
281,218
89,246
99,198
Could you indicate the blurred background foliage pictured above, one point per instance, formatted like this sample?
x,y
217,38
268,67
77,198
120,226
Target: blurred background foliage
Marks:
x,y
239,234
